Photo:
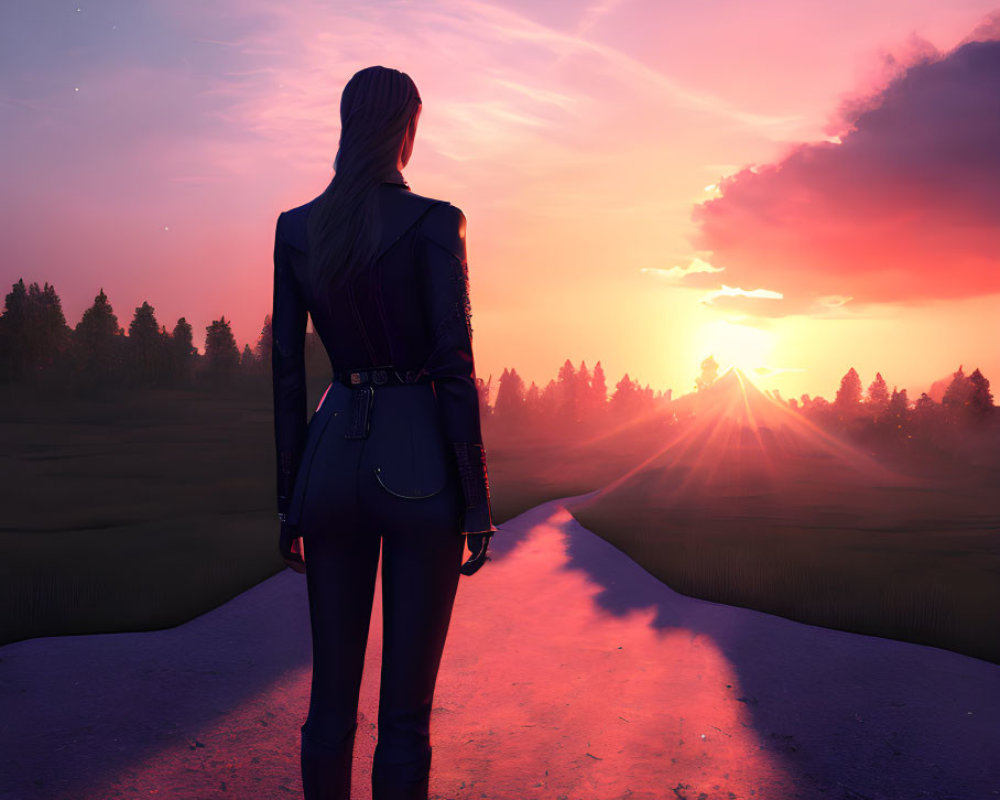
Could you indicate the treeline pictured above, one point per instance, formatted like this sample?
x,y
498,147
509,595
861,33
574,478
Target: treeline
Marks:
x,y
577,400
38,346
877,415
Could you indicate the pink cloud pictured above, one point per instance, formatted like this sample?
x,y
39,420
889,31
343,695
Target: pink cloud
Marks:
x,y
904,209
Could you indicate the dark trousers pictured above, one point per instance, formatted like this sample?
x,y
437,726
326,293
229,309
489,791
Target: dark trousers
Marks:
x,y
345,513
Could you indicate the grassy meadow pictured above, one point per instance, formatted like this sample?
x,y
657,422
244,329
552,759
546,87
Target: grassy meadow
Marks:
x,y
143,510
915,557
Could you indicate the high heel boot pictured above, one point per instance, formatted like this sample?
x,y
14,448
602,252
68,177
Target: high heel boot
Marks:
x,y
326,768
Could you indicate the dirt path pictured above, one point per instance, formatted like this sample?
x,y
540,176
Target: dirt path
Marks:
x,y
569,672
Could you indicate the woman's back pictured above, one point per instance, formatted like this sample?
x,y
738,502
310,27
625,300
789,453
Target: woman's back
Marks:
x,y
409,312
383,319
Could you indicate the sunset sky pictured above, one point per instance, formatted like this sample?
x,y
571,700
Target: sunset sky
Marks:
x,y
796,188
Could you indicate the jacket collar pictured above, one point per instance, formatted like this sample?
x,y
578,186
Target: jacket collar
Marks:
x,y
396,177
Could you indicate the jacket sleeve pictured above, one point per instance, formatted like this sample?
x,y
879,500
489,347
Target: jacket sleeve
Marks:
x,y
288,327
450,364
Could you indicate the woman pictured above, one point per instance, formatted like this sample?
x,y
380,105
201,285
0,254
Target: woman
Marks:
x,y
393,455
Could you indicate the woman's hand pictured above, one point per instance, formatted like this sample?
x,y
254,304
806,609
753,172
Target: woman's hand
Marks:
x,y
292,548
478,544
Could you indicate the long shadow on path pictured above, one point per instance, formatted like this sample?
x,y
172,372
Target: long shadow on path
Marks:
x,y
569,671
850,715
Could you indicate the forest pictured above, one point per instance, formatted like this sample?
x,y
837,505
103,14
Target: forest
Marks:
x,y
38,347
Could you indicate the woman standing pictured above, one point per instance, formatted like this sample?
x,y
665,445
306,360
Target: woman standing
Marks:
x,y
393,456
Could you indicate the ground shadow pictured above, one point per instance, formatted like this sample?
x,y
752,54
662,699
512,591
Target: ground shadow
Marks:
x,y
862,708
95,676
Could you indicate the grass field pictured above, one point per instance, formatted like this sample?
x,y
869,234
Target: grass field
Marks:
x,y
141,511
930,584
132,513
911,557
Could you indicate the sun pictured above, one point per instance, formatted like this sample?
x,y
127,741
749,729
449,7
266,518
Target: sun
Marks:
x,y
734,345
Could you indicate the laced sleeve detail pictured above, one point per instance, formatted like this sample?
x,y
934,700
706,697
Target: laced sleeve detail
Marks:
x,y
450,363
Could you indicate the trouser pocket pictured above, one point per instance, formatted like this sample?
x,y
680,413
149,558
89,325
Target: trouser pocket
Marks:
x,y
406,451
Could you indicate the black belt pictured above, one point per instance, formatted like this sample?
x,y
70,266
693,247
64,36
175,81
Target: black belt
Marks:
x,y
380,376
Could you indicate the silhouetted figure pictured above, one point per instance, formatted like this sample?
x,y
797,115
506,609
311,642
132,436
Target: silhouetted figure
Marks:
x,y
394,452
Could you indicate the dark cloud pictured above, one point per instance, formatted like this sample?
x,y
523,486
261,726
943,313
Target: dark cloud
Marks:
x,y
904,209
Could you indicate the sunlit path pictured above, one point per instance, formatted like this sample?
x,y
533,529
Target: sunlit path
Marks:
x,y
569,672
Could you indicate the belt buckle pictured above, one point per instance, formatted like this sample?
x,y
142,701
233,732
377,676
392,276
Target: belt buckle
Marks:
x,y
379,377
355,378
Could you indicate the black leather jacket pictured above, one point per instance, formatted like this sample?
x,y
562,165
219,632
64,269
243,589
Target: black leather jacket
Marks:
x,y
411,311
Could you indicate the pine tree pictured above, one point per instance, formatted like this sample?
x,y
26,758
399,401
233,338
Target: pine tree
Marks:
x,y
709,373
33,331
183,337
625,399
899,403
183,353
849,394
927,415
583,389
504,377
958,396
568,396
221,352
265,343
54,333
548,405
533,403
145,345
878,395
898,410
981,400
509,404
14,336
599,389
248,361
98,344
